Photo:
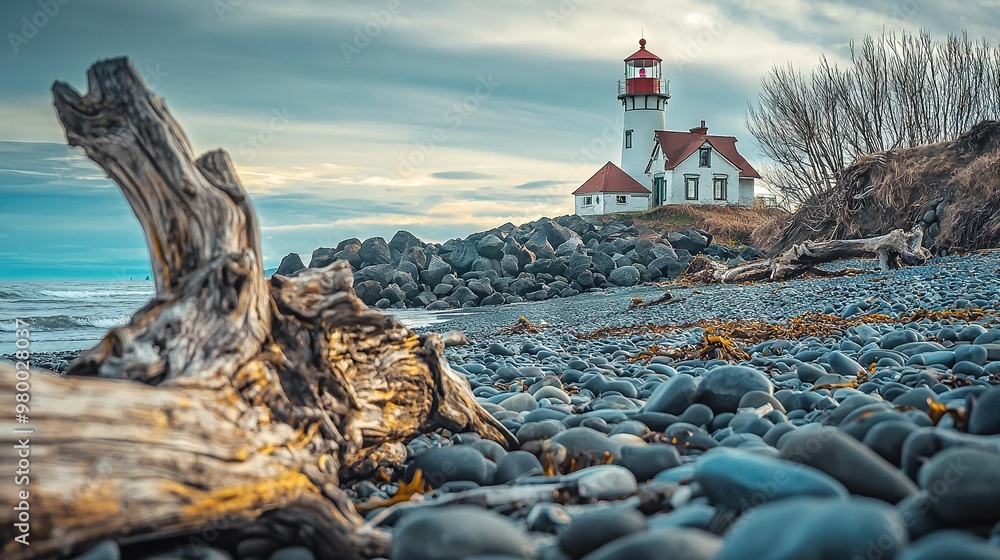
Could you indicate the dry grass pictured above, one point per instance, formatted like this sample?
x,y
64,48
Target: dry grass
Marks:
x,y
894,189
729,225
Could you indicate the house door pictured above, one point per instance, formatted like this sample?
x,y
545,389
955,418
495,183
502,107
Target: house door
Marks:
x,y
659,191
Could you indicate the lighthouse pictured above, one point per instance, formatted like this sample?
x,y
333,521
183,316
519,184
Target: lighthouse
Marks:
x,y
644,95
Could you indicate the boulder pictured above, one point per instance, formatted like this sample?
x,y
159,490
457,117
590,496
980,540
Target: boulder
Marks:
x,y
375,250
603,263
571,246
435,271
624,276
348,243
491,247
552,231
402,241
509,265
290,265
322,257
462,257
415,255
368,291
693,241
540,246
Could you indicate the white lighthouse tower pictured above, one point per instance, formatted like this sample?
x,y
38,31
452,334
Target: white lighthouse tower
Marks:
x,y
644,95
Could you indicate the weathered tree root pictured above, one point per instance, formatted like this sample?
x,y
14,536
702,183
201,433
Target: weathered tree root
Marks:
x,y
228,398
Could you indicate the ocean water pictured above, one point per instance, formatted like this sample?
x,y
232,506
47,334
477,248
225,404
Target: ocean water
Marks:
x,y
72,314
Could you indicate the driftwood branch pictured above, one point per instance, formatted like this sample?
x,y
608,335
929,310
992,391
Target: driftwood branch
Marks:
x,y
891,249
227,399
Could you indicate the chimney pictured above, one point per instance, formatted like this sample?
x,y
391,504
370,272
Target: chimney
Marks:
x,y
702,130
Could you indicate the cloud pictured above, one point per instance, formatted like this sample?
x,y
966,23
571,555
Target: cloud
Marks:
x,y
538,185
461,175
342,163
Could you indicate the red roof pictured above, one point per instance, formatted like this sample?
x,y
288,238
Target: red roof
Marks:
x,y
678,146
643,54
611,179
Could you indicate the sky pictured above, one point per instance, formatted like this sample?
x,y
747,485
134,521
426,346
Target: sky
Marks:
x,y
360,118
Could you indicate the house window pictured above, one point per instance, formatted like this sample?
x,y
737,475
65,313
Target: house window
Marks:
x,y
621,199
705,157
588,200
628,139
720,186
691,188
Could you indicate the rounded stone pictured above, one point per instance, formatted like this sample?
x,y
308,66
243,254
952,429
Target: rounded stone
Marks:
x,y
448,464
647,461
543,429
966,484
740,480
723,387
516,465
800,528
456,532
520,402
859,469
985,416
593,530
673,396
951,544
661,544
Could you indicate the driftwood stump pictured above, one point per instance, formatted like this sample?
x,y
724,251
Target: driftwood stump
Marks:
x,y
890,249
228,400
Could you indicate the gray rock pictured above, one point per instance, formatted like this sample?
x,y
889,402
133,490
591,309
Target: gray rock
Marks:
x,y
436,270
592,530
661,544
800,528
490,247
375,250
740,480
858,468
724,386
402,241
415,255
674,395
449,464
462,257
457,532
321,257
515,465
965,485
624,276
290,264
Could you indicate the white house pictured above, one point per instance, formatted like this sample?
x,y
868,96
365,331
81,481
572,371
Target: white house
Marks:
x,y
611,190
695,167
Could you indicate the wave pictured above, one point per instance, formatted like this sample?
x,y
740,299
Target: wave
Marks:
x,y
62,294
63,322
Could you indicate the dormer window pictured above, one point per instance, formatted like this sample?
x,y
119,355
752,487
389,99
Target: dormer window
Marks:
x,y
705,157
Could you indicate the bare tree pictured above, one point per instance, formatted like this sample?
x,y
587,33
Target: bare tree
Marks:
x,y
896,91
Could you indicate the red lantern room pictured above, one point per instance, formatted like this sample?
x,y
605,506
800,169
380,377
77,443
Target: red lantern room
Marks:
x,y
642,73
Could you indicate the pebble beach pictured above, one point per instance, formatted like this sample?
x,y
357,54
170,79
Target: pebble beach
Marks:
x,y
851,416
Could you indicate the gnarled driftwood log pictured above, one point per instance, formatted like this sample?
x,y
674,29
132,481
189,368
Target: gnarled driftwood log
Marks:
x,y
890,249
228,399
